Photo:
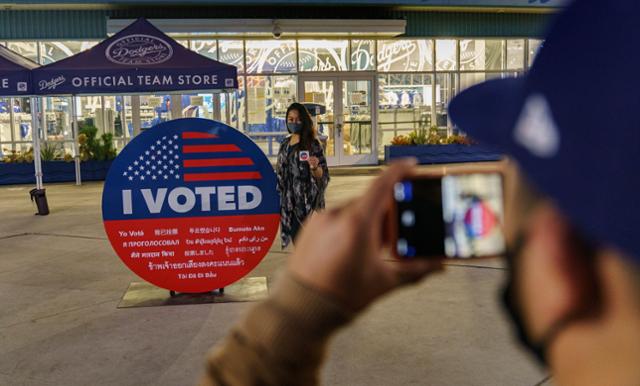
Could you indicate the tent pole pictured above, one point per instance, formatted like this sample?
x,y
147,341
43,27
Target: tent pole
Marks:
x,y
35,136
76,151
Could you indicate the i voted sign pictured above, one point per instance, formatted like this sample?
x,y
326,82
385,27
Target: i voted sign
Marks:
x,y
191,205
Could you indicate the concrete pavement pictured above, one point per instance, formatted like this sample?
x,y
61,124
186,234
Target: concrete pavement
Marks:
x,y
60,283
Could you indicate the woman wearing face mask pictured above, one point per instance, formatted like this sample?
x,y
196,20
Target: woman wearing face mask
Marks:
x,y
302,173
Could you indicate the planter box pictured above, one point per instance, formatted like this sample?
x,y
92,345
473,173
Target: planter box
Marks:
x,y
442,154
53,171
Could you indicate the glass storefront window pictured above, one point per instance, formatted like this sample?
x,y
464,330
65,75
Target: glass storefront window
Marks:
x,y
106,114
268,100
515,54
232,106
446,55
472,78
405,104
123,119
363,57
27,49
357,120
409,96
208,48
15,124
323,55
58,119
154,109
481,55
405,55
534,46
58,109
200,105
271,56
5,120
446,89
22,130
54,51
90,113
110,117
232,52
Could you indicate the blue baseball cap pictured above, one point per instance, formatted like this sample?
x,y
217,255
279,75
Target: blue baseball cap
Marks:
x,y
573,121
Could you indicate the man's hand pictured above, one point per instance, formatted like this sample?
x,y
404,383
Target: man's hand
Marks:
x,y
339,252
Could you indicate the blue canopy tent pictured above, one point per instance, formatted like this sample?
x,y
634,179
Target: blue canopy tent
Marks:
x,y
139,59
15,73
15,81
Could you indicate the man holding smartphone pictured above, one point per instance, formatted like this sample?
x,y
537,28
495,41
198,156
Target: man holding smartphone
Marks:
x,y
571,124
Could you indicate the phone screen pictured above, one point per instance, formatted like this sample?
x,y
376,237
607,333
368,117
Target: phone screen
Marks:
x,y
457,216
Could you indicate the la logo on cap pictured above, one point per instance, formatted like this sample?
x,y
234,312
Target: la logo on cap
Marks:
x,y
536,130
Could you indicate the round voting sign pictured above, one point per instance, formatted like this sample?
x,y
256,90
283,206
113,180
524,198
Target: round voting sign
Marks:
x,y
191,205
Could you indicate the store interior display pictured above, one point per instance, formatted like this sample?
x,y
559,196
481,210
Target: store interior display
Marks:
x,y
357,129
268,101
21,128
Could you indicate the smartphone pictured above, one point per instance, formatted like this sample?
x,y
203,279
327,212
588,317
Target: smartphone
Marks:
x,y
453,216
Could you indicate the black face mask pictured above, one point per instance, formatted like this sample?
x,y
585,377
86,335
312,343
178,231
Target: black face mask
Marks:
x,y
510,302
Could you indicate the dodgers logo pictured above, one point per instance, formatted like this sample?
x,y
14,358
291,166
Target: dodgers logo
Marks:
x,y
52,83
139,50
191,205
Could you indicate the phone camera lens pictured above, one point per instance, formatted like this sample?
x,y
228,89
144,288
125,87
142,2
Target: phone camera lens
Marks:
x,y
403,191
408,218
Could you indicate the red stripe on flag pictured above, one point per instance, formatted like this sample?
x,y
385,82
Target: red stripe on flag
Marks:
x,y
222,176
199,163
197,135
210,148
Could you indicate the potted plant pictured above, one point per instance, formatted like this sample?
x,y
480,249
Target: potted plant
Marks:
x,y
96,155
430,147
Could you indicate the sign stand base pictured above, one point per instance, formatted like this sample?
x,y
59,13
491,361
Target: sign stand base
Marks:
x,y
143,294
219,291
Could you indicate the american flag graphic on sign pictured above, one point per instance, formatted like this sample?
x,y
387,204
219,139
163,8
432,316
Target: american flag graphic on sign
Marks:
x,y
165,160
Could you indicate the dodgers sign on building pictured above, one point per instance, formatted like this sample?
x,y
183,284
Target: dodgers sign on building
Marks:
x,y
191,205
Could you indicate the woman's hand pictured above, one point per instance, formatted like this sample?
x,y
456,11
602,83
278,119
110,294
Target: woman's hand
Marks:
x,y
313,162
339,252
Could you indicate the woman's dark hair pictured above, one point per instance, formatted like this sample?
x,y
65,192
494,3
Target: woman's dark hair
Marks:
x,y
307,135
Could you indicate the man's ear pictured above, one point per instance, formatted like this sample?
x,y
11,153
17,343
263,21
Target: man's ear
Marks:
x,y
556,272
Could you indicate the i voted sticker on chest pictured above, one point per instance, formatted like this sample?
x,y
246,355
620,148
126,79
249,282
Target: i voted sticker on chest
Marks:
x,y
304,155
191,205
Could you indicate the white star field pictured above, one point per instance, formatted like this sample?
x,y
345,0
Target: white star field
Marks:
x,y
160,162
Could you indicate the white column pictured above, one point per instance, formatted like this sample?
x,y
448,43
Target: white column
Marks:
x,y
176,106
228,108
217,116
135,114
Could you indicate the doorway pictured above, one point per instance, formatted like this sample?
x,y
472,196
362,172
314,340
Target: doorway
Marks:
x,y
347,125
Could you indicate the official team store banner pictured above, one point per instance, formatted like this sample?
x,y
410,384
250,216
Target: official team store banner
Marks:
x,y
15,73
191,205
138,59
